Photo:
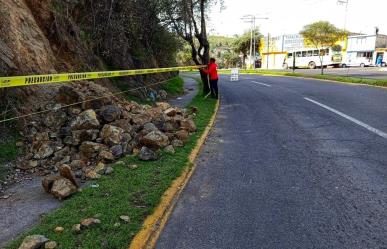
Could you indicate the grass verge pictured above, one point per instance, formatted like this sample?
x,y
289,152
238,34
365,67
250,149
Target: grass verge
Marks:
x,y
8,152
132,192
174,86
344,79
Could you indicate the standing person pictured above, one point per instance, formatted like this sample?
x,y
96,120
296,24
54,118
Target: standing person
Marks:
x,y
212,71
379,60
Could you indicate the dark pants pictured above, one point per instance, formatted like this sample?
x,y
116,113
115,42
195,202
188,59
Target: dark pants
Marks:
x,y
214,88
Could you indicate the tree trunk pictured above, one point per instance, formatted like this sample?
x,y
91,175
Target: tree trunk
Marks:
x,y
321,64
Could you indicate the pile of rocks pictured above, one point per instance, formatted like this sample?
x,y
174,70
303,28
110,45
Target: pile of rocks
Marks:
x,y
87,136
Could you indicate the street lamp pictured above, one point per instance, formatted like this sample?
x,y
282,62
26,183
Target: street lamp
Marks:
x,y
344,2
252,19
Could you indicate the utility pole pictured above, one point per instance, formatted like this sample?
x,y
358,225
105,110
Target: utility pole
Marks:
x,y
344,2
252,19
268,51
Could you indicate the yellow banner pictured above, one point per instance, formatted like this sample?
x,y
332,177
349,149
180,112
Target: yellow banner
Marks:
x,y
15,81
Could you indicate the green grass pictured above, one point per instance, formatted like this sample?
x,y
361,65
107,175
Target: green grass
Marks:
x,y
344,79
8,152
174,86
132,192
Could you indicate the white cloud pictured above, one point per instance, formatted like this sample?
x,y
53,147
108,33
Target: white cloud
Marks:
x,y
289,16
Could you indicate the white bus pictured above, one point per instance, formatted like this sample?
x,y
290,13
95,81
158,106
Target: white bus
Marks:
x,y
309,58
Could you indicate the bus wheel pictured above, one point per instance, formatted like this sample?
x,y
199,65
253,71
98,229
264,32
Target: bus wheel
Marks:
x,y
312,65
384,64
362,65
344,65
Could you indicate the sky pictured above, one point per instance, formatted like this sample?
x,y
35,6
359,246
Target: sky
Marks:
x,y
289,16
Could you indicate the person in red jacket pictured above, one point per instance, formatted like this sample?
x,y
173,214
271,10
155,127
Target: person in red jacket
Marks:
x,y
212,71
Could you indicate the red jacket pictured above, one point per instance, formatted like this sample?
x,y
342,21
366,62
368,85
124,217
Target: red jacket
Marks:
x,y
212,71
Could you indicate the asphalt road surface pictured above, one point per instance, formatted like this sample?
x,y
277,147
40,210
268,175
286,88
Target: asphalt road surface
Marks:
x,y
291,163
367,72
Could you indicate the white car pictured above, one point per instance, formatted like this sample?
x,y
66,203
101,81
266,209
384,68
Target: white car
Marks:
x,y
356,62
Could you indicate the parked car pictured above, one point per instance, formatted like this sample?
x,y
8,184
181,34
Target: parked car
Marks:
x,y
356,62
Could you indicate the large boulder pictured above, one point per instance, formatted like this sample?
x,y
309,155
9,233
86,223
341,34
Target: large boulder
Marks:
x,y
155,139
48,181
111,135
182,135
110,113
63,188
33,242
66,172
147,154
85,121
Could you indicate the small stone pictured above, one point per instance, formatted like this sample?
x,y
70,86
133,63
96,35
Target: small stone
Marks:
x,y
117,224
76,228
110,113
90,222
59,230
45,150
182,135
50,245
86,120
5,197
100,168
133,166
91,149
147,154
163,105
33,242
109,170
19,144
125,218
117,151
111,135
120,163
188,124
177,143
169,149
91,174
106,155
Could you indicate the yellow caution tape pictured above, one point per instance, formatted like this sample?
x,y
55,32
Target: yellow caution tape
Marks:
x,y
15,81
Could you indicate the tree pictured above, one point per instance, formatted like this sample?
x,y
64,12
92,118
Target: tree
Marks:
x,y
242,44
188,19
322,35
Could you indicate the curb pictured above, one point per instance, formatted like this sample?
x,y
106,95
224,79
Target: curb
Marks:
x,y
153,225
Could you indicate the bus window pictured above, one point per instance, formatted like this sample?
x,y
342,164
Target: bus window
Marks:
x,y
315,52
327,51
298,54
303,53
290,55
310,53
322,52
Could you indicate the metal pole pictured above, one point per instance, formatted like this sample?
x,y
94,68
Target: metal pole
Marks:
x,y
251,43
268,50
255,43
294,62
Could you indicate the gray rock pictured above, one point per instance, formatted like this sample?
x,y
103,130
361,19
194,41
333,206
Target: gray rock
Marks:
x,y
117,151
63,188
155,139
33,242
110,113
177,143
169,149
109,170
147,154
85,121
111,134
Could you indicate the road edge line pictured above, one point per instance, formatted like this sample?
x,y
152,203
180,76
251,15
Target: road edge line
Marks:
x,y
153,225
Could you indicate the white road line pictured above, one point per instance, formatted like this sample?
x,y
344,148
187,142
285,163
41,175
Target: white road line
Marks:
x,y
260,83
358,122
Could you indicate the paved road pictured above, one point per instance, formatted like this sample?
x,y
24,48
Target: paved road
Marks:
x,y
368,72
281,171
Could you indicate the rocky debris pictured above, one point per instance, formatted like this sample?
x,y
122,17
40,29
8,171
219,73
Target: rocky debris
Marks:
x,y
109,170
97,132
89,222
33,242
147,154
59,230
162,94
50,245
